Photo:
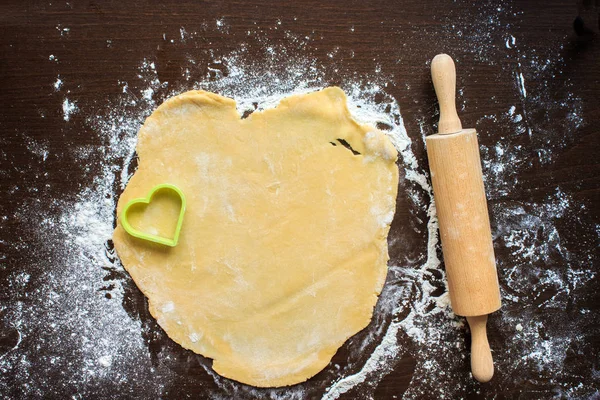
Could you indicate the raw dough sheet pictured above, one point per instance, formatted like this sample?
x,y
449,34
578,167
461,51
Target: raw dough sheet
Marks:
x,y
283,249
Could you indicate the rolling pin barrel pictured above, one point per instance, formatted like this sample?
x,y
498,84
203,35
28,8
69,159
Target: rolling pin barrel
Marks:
x,y
464,223
462,212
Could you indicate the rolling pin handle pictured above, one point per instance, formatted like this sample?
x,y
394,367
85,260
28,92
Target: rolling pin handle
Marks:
x,y
482,364
443,74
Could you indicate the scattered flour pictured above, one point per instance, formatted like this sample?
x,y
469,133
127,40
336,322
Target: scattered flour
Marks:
x,y
58,84
63,31
68,108
82,306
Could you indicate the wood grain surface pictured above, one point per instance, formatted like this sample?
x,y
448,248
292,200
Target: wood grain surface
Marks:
x,y
103,46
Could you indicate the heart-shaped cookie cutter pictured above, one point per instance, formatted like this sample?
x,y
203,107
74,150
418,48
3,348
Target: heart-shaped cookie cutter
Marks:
x,y
147,236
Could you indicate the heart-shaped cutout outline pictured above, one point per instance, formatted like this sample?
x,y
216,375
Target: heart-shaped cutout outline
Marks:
x,y
146,200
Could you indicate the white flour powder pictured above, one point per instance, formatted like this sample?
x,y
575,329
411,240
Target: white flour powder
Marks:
x,y
84,310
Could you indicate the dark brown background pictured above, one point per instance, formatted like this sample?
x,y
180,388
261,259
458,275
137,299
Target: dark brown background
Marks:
x,y
401,37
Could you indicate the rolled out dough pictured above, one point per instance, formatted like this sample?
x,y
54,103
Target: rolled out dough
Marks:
x,y
283,249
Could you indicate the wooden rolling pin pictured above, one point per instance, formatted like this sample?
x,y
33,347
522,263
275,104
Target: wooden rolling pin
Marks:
x,y
461,205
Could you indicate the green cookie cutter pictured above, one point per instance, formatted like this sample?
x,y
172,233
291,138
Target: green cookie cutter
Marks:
x,y
149,237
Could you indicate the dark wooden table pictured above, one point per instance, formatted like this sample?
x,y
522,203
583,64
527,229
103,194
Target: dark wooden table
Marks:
x,y
527,82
